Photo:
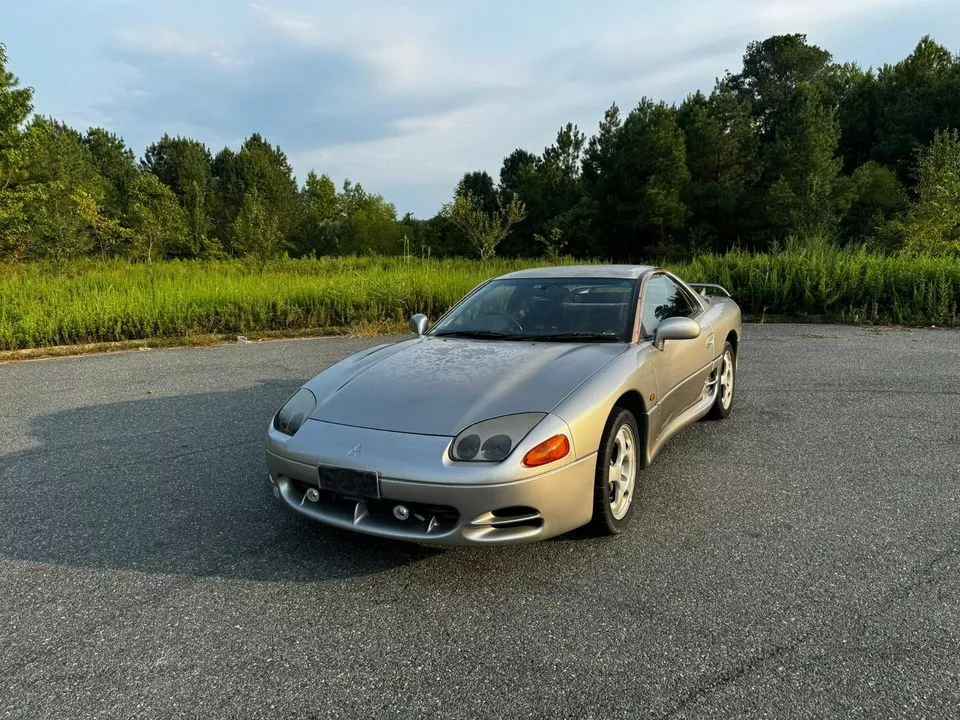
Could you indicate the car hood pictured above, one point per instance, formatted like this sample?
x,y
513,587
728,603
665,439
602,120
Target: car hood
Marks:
x,y
439,386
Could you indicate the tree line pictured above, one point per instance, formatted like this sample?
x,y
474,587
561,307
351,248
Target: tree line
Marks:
x,y
794,144
66,194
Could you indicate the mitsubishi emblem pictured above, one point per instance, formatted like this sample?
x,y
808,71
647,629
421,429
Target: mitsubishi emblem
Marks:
x,y
357,451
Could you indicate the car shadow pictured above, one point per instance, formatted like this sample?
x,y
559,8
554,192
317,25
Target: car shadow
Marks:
x,y
171,485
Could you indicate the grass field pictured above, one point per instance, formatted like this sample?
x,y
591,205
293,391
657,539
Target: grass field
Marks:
x,y
89,301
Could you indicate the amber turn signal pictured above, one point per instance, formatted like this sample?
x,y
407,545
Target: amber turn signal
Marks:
x,y
548,451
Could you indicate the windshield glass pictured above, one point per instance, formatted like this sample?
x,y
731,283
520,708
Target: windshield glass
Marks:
x,y
552,309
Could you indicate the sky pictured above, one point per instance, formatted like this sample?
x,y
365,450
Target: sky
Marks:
x,y
405,97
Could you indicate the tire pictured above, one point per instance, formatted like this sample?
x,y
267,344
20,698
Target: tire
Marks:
x,y
727,384
620,448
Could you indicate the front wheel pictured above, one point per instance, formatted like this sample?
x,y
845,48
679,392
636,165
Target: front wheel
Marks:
x,y
726,381
615,483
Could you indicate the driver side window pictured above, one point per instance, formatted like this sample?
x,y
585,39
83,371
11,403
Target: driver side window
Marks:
x,y
662,299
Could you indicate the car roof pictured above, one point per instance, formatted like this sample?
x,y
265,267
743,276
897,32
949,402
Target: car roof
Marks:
x,y
630,272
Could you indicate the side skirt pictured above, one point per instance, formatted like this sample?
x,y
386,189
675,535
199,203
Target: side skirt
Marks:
x,y
687,417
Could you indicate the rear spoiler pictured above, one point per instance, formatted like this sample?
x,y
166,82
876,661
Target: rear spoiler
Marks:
x,y
705,289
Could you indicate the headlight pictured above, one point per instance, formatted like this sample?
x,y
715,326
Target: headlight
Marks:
x,y
295,411
493,440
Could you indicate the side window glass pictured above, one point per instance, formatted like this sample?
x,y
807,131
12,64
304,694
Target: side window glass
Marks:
x,y
663,299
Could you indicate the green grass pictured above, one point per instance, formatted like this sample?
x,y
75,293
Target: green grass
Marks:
x,y
89,301
828,284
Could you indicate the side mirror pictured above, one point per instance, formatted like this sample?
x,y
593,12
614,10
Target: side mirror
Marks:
x,y
676,328
418,323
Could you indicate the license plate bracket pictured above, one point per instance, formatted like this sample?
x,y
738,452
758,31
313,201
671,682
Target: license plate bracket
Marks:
x,y
349,482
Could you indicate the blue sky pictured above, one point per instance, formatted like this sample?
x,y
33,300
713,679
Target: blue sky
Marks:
x,y
404,97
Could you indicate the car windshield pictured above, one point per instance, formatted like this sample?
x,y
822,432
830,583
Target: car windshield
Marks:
x,y
548,309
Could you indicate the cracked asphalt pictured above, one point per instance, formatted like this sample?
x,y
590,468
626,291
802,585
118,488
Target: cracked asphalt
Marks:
x,y
800,559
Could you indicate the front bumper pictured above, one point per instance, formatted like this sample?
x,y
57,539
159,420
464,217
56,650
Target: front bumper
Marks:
x,y
519,511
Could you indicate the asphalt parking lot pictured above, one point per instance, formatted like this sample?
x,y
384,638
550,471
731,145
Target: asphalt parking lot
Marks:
x,y
799,559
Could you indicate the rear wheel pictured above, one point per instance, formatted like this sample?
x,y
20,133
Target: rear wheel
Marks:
x,y
726,381
618,464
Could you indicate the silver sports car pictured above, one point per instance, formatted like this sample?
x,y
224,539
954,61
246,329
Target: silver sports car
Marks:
x,y
526,411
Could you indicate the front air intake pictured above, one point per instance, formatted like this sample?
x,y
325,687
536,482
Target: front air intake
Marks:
x,y
509,518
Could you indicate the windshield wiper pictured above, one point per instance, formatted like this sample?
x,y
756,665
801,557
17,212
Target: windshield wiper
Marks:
x,y
547,337
578,337
485,334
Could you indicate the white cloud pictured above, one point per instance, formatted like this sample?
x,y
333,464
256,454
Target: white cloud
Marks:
x,y
818,12
169,42
397,49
